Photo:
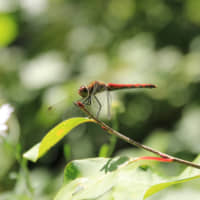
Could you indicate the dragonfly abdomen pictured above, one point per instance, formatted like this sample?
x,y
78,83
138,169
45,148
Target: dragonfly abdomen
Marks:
x,y
113,86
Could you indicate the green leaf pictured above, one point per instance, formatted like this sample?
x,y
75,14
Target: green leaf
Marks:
x,y
104,150
8,29
67,151
54,136
129,179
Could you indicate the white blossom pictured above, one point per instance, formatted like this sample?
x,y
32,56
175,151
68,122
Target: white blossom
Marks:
x,y
5,113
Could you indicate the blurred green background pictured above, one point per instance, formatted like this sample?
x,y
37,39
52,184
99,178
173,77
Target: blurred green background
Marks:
x,y
48,48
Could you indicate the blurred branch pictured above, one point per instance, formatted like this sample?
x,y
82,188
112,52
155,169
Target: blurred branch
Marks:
x,y
133,142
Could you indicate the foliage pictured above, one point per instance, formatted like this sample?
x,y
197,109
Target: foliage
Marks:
x,y
106,178
52,137
130,179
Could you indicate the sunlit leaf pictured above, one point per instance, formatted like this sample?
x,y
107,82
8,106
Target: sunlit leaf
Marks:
x,y
54,136
128,179
8,29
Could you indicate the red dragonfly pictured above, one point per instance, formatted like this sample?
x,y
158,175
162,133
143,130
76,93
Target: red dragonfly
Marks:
x,y
90,91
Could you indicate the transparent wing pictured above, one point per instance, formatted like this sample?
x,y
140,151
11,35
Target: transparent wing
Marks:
x,y
108,104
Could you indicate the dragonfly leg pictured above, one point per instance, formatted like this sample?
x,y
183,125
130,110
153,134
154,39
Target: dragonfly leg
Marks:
x,y
100,106
87,101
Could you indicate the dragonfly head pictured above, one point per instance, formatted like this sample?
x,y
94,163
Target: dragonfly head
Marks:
x,y
83,91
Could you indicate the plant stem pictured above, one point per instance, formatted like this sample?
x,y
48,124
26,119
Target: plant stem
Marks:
x,y
133,142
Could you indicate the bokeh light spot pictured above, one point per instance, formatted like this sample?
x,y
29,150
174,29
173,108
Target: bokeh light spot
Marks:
x,y
192,8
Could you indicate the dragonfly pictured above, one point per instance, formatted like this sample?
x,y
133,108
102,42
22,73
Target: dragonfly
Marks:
x,y
89,92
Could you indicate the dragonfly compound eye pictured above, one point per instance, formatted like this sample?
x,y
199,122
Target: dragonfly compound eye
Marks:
x,y
83,91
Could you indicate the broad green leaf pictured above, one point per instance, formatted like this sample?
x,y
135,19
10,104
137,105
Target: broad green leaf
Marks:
x,y
54,136
119,178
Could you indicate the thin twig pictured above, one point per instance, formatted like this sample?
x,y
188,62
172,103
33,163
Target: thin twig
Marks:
x,y
133,142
